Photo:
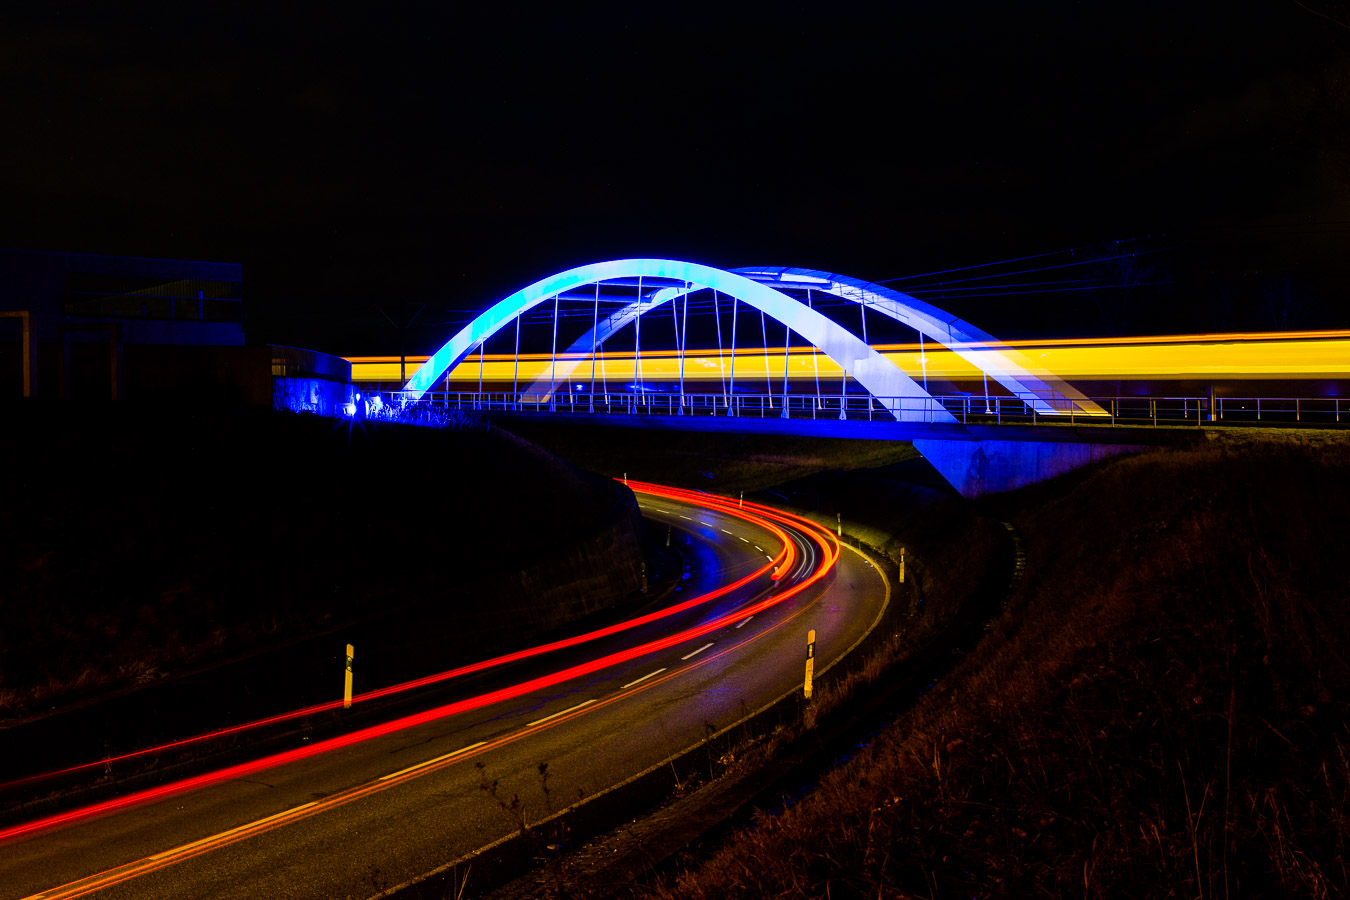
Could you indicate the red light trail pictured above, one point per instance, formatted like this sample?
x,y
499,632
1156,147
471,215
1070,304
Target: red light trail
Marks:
x,y
763,516
138,868
779,564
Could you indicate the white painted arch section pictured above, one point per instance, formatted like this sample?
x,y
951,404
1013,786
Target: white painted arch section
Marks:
x,y
1045,392
895,390
1042,390
582,349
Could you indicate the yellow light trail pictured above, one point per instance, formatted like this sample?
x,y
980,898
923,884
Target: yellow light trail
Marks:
x,y
1306,354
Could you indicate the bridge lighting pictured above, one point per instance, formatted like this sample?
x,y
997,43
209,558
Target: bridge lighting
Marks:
x,y
1323,356
664,281
1032,372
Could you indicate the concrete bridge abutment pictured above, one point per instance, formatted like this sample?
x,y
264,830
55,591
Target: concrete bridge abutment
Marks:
x,y
978,467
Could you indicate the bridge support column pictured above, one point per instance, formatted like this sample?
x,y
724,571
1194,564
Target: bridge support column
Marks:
x,y
976,467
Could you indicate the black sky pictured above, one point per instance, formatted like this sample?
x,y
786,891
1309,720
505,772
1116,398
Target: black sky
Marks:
x,y
447,154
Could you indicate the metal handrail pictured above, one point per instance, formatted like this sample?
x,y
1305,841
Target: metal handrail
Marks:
x,y
964,408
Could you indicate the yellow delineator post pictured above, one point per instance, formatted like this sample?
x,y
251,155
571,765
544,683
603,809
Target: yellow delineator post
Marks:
x,y
810,662
902,565
347,681
839,524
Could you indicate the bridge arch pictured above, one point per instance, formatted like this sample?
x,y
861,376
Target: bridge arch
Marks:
x,y
1040,389
891,387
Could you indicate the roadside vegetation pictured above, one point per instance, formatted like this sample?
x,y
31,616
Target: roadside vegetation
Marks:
x,y
890,501
1160,710
720,463
135,545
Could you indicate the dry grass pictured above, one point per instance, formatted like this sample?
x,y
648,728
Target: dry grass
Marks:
x,y
1159,712
721,463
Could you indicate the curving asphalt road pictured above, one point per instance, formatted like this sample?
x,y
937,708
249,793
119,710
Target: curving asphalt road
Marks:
x,y
362,818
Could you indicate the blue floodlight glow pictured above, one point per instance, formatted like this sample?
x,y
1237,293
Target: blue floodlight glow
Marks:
x,y
877,374
1042,390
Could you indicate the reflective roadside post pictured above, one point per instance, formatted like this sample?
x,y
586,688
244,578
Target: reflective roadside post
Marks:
x,y
810,662
347,681
839,524
902,565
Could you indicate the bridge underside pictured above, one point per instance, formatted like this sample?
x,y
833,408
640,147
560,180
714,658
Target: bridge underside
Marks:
x,y
974,459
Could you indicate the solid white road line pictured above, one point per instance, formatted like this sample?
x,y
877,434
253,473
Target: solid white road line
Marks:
x,y
556,714
696,652
643,678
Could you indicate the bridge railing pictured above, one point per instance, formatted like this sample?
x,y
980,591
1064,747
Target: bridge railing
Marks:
x,y
964,408
795,406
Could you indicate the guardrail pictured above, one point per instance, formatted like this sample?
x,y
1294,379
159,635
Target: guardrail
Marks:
x,y
966,409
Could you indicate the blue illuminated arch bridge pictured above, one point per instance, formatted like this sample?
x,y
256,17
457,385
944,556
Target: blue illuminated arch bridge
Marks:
x,y
777,293
975,456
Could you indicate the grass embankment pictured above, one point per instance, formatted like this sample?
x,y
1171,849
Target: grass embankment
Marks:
x,y
720,463
1160,711
889,498
134,545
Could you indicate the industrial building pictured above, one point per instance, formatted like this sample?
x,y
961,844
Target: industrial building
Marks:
x,y
88,326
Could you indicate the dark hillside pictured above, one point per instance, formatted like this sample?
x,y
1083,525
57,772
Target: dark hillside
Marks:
x,y
720,463
134,545
1161,711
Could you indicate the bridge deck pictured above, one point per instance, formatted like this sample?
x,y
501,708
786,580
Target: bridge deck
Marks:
x,y
877,429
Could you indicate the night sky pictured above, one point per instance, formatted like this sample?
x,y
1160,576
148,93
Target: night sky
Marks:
x,y
448,154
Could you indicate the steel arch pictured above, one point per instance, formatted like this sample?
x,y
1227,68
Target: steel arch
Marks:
x,y
1040,389
895,390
